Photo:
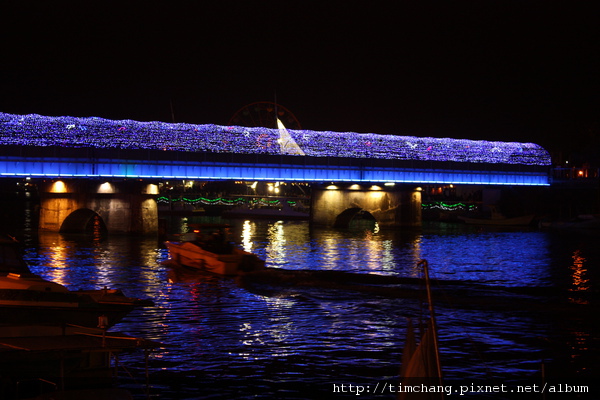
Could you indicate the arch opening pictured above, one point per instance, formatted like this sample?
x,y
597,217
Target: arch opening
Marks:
x,y
84,220
354,217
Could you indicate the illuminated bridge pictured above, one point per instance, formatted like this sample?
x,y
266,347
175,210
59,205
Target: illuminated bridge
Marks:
x,y
98,157
60,147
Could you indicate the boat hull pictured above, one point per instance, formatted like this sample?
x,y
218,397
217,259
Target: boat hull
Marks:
x,y
47,320
26,308
35,305
190,255
32,301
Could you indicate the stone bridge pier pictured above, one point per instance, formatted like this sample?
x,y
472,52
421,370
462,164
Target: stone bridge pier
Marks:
x,y
119,207
336,205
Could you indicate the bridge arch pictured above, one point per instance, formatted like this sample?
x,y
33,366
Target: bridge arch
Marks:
x,y
346,217
83,220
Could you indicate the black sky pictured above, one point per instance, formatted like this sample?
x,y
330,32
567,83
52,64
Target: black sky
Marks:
x,y
495,70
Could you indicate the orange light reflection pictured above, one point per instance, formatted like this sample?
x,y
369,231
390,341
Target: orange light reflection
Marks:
x,y
580,283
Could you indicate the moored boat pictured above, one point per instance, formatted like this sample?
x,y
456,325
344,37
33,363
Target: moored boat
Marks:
x,y
29,303
213,252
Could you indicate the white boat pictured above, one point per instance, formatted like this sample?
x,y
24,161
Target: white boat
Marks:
x,y
212,253
28,302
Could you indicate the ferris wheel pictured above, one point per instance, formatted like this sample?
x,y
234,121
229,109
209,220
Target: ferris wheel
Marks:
x,y
264,114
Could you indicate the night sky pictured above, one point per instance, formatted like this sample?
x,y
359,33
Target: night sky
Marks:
x,y
494,70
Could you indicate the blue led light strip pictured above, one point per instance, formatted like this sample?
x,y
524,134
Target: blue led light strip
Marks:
x,y
14,167
36,130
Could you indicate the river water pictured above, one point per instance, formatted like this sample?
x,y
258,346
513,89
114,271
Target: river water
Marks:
x,y
509,303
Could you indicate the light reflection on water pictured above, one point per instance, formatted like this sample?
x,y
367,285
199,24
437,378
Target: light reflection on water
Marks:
x,y
224,340
579,273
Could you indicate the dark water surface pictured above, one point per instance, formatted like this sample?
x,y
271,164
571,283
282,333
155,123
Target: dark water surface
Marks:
x,y
506,301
